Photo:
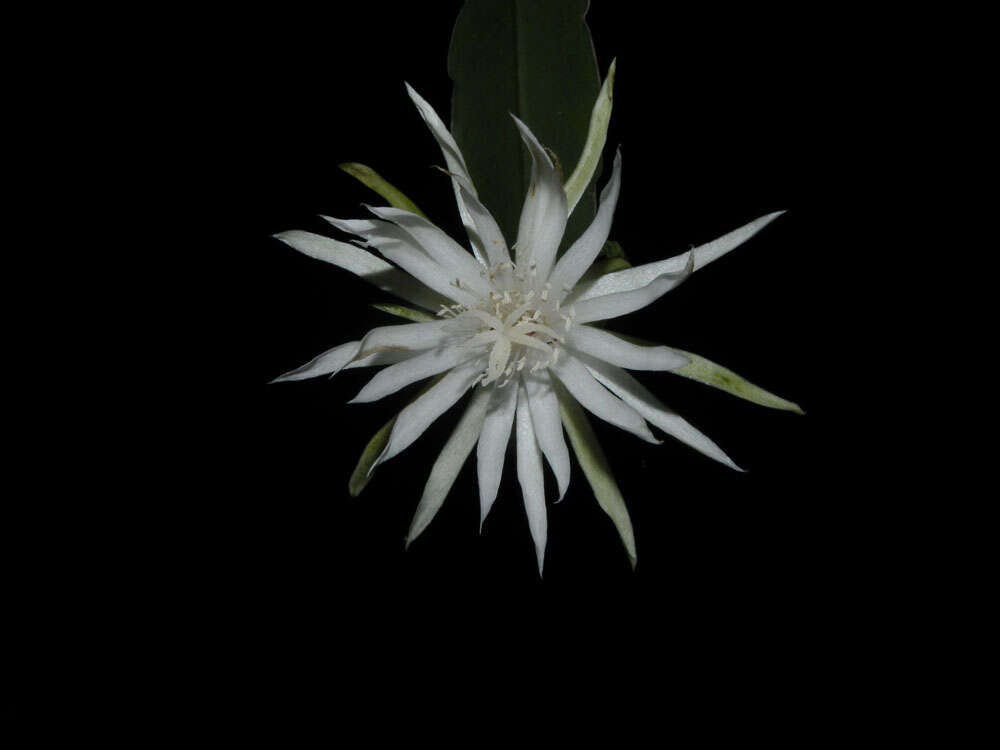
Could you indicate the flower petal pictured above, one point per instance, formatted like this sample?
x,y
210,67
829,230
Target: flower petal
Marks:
x,y
490,236
331,361
529,475
372,269
638,276
597,133
438,245
449,463
401,249
622,303
633,393
577,259
598,399
418,416
456,164
381,358
493,446
595,467
543,216
398,376
407,337
607,346
362,473
548,427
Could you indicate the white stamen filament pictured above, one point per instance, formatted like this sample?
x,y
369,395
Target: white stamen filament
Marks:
x,y
513,321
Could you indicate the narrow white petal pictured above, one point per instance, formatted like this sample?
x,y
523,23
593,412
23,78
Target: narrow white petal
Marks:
x,y
372,269
582,253
622,303
543,216
493,446
403,250
529,475
449,463
608,347
548,426
633,278
491,238
382,358
331,361
597,399
437,245
456,163
397,377
404,337
418,416
633,393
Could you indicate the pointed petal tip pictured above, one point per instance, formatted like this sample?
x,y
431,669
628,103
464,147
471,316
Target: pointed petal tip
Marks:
x,y
633,561
379,460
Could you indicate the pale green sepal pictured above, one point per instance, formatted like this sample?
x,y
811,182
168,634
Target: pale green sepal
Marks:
x,y
418,316
613,249
376,182
709,373
376,446
359,478
449,463
592,148
595,467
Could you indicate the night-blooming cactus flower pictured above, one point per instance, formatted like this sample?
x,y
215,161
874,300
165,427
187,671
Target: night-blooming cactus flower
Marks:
x,y
512,325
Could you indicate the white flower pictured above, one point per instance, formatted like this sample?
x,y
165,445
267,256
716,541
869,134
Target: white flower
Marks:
x,y
513,328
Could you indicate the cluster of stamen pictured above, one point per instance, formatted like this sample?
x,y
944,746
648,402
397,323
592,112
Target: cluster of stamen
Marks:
x,y
517,321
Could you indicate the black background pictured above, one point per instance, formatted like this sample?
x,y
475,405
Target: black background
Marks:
x,y
247,556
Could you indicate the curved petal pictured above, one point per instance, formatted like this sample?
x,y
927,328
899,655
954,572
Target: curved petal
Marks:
x,y
405,337
490,236
437,245
381,358
608,347
398,376
581,254
543,216
622,303
548,426
456,163
493,446
449,463
401,249
372,269
331,361
529,475
418,416
633,393
597,399
638,276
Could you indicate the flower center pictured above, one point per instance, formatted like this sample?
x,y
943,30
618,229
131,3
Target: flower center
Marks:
x,y
518,324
